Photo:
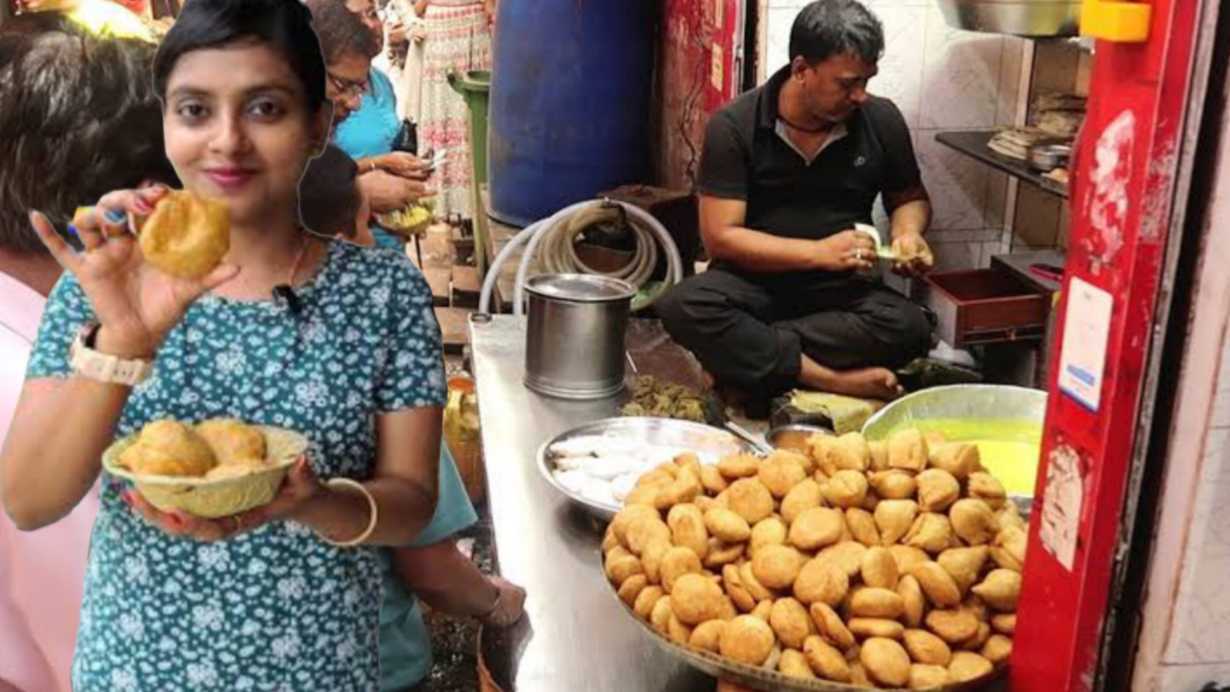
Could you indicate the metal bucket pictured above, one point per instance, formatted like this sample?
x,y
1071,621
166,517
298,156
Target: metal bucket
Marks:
x,y
1037,18
575,338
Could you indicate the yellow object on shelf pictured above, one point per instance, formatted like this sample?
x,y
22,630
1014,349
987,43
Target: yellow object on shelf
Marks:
x,y
461,434
1118,21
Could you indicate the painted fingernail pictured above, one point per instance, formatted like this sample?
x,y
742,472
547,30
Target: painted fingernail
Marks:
x,y
72,230
115,216
143,207
126,496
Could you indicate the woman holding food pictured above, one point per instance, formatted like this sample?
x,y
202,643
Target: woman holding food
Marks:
x,y
365,123
286,595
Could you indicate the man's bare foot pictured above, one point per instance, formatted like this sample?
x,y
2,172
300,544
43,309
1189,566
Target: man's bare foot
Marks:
x,y
865,383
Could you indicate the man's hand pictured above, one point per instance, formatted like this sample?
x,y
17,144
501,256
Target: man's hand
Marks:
x,y
386,192
914,256
847,251
404,165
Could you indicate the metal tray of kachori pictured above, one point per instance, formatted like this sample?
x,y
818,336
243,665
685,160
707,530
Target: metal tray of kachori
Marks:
x,y
652,432
767,679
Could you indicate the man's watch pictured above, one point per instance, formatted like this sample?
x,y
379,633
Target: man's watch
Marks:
x,y
102,367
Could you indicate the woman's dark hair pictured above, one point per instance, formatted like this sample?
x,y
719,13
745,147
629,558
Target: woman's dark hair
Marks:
x,y
826,28
78,118
341,31
286,25
328,198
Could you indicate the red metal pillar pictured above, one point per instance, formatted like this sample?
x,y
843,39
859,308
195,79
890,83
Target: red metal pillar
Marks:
x,y
1124,177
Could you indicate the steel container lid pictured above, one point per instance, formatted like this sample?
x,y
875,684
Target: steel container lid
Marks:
x,y
580,288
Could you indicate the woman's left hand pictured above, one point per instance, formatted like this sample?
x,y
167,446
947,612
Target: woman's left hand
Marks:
x,y
300,486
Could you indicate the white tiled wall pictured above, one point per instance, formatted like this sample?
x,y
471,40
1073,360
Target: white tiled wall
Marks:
x,y
941,79
1201,604
1190,678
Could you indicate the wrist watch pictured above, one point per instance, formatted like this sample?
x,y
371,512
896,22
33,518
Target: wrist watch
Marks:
x,y
101,367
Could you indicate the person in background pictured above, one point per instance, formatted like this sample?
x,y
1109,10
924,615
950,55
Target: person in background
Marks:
x,y
103,17
433,568
787,171
330,201
394,61
89,121
390,180
456,38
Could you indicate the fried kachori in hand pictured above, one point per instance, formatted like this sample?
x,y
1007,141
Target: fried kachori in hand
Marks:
x,y
187,236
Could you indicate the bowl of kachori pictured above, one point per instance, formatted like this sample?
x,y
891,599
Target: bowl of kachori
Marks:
x,y
215,468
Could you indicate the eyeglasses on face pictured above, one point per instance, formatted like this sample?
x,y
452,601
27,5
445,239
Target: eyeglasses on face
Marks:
x,y
349,87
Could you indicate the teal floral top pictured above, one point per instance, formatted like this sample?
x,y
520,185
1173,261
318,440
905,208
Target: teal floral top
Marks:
x,y
276,608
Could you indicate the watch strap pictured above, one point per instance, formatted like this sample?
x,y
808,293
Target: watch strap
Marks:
x,y
102,367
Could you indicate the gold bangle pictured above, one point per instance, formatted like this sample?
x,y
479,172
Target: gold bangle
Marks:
x,y
371,503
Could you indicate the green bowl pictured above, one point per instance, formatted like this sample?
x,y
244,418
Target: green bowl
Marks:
x,y
1005,421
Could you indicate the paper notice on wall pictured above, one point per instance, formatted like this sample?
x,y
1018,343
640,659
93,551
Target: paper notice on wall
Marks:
x,y
1086,331
717,67
1061,505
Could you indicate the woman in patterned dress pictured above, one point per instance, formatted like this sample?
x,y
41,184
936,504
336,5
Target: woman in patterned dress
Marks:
x,y
456,38
266,600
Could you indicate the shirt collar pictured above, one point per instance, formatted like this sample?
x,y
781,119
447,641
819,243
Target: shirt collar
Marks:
x,y
839,132
766,112
766,109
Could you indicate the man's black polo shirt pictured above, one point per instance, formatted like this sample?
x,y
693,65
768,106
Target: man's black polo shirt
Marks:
x,y
745,158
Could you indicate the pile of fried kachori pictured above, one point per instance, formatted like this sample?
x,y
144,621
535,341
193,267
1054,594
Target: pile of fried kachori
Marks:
x,y
882,564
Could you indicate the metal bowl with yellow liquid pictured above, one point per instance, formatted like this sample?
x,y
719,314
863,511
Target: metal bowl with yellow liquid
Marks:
x,y
1004,421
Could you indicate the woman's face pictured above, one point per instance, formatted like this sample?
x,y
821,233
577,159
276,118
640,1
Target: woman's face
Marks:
x,y
346,83
237,128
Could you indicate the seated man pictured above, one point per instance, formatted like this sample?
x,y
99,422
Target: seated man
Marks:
x,y
786,171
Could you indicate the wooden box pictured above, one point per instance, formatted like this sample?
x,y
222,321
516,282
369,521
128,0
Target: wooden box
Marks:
x,y
984,306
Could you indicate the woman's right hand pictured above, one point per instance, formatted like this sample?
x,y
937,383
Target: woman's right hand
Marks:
x,y
135,303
